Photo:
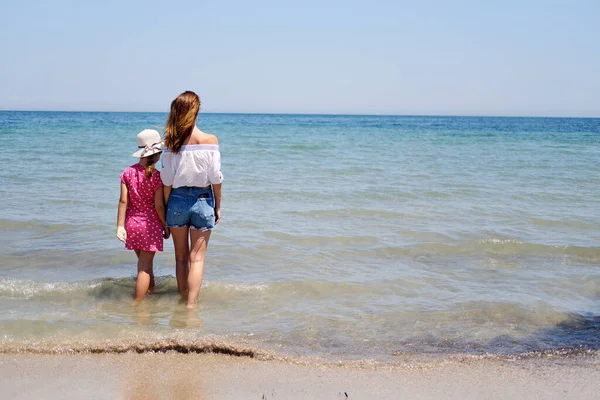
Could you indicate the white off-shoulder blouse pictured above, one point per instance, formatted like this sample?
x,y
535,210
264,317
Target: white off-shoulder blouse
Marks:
x,y
196,165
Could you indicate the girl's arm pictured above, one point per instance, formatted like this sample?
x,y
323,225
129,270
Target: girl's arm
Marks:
x,y
159,205
121,233
217,193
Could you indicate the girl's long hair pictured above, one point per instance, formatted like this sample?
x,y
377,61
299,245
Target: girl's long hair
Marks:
x,y
181,120
150,167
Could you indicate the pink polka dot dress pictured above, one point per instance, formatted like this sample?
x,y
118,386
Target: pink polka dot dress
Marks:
x,y
144,230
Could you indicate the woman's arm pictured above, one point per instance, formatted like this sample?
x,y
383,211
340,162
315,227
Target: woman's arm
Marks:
x,y
217,192
215,177
122,209
159,205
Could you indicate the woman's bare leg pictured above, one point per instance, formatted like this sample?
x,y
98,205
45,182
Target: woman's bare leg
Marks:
x,y
199,241
182,257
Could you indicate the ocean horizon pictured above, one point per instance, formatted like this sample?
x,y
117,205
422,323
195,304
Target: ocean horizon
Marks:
x,y
434,115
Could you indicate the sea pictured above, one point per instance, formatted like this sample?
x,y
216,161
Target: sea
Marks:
x,y
344,239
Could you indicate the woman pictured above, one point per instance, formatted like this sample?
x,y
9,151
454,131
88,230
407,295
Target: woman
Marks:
x,y
192,179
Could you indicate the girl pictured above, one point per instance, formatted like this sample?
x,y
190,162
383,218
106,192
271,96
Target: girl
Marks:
x,y
141,214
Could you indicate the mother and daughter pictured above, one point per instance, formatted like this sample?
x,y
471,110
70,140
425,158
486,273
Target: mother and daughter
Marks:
x,y
190,187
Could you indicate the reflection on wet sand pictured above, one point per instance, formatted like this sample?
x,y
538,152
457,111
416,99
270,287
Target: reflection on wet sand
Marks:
x,y
147,381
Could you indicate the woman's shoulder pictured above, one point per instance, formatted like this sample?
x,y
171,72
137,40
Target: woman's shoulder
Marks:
x,y
203,138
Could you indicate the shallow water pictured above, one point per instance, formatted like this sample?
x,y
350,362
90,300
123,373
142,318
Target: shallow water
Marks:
x,y
349,237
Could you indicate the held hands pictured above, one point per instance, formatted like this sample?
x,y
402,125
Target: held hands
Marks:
x,y
166,232
121,233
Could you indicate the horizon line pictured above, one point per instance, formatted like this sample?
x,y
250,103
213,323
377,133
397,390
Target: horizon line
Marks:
x,y
317,114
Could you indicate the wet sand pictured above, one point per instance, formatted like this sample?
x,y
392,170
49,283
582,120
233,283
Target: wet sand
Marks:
x,y
198,376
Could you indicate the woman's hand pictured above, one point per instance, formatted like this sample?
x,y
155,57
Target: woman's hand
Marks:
x,y
166,232
121,233
217,215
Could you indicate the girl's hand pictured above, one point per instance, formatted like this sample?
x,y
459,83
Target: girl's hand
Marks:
x,y
121,233
217,215
166,232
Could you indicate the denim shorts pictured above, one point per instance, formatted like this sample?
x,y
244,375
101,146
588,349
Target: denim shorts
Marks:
x,y
191,206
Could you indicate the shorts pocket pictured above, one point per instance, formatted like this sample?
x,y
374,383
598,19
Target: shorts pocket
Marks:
x,y
203,214
177,212
203,209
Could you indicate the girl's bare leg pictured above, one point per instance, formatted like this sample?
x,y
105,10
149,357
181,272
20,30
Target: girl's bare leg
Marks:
x,y
152,282
145,271
199,241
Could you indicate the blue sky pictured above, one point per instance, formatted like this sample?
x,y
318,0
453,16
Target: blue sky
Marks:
x,y
377,57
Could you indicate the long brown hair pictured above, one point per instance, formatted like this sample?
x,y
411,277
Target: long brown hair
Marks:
x,y
181,120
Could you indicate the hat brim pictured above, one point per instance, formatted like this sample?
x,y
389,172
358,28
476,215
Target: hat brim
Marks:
x,y
146,154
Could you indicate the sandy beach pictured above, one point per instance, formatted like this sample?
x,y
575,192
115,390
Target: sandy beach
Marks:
x,y
195,376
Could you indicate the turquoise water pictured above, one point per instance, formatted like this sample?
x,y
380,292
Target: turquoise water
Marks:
x,y
343,237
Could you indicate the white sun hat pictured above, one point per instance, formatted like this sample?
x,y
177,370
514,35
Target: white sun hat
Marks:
x,y
149,143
